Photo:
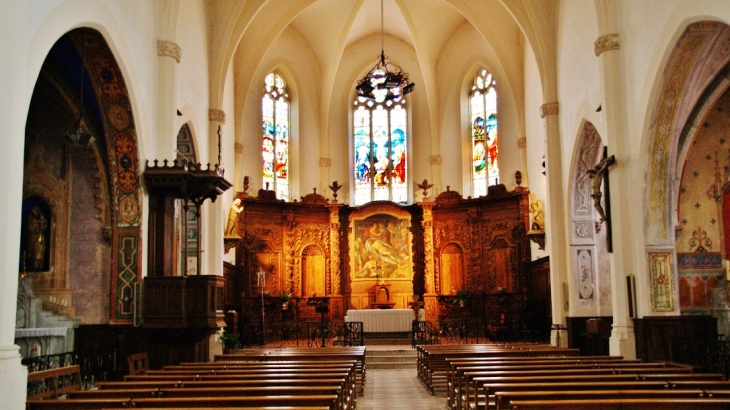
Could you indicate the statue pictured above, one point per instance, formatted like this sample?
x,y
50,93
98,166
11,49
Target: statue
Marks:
x,y
36,228
538,220
232,225
596,175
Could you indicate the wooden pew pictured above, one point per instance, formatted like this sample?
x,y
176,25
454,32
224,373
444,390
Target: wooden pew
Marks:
x,y
433,369
625,404
470,381
501,388
490,385
74,404
304,354
503,399
57,382
330,401
457,366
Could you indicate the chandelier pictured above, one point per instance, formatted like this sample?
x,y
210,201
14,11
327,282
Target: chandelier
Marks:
x,y
380,83
79,136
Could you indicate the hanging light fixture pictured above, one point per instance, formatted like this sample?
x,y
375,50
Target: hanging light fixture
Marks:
x,y
79,136
381,84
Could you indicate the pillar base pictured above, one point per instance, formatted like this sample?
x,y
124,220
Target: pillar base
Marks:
x,y
622,342
13,378
559,337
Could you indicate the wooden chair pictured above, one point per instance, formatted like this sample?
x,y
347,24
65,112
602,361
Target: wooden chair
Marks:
x,y
138,363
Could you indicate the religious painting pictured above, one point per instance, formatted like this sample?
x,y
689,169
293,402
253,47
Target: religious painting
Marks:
x,y
381,248
35,235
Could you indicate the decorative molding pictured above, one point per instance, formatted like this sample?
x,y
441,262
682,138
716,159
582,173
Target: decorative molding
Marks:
x,y
238,147
434,160
169,49
550,108
325,162
217,115
589,148
522,143
605,43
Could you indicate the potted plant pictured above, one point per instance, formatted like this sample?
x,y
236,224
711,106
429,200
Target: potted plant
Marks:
x,y
284,298
462,296
230,341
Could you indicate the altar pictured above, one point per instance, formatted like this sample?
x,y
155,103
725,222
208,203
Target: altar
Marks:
x,y
383,320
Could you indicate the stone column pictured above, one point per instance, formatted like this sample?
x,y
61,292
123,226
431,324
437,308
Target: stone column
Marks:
x,y
435,161
623,339
522,146
14,85
214,215
324,173
169,57
555,228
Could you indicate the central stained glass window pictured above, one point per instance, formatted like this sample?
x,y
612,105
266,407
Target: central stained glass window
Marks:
x,y
380,144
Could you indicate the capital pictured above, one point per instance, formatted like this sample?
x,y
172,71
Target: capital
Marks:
x,y
606,42
169,49
550,108
217,115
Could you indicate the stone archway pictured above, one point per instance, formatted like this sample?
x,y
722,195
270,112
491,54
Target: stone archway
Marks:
x,y
99,178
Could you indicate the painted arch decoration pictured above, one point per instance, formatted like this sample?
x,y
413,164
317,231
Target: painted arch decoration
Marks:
x,y
117,121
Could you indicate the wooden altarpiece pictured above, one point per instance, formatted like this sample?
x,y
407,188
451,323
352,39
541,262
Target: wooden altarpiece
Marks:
x,y
321,251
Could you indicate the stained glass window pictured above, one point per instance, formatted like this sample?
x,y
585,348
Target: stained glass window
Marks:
x,y
380,141
275,134
483,126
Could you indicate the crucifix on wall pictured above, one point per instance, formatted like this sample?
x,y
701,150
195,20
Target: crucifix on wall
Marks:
x,y
599,186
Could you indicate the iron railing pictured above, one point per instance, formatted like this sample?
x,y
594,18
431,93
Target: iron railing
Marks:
x,y
711,356
310,334
94,366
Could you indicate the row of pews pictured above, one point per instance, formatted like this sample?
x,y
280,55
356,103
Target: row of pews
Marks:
x,y
291,378
528,376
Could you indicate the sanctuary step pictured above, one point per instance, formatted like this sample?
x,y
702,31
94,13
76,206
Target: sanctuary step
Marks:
x,y
387,338
391,357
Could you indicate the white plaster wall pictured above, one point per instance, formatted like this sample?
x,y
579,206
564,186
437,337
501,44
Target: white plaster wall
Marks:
x,y
579,79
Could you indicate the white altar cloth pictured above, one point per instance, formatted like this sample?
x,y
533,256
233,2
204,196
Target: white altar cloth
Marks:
x,y
383,320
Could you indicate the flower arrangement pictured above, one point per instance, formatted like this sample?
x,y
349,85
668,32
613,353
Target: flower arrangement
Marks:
x,y
462,296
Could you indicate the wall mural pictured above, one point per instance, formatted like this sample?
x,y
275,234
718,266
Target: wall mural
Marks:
x,y
381,248
701,222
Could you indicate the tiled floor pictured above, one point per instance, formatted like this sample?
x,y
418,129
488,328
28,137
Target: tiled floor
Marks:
x,y
389,389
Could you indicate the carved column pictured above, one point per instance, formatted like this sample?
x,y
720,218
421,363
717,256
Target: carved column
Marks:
x,y
429,287
338,308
